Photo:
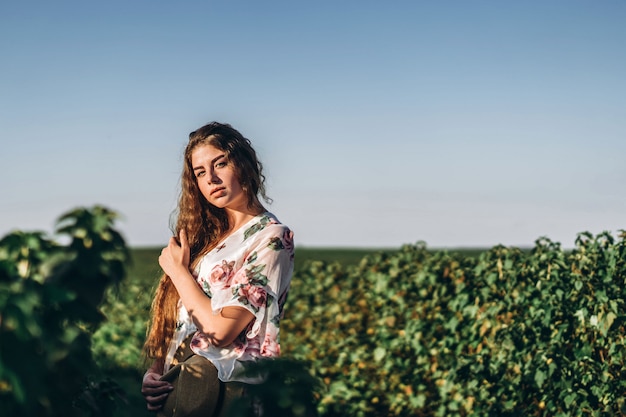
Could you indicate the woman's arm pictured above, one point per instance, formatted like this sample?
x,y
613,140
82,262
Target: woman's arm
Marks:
x,y
221,329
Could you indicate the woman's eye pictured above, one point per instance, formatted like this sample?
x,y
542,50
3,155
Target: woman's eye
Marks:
x,y
199,174
220,165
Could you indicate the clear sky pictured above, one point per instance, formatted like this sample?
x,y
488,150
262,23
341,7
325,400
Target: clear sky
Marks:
x,y
459,123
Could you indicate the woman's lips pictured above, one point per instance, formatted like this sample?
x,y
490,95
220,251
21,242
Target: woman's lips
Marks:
x,y
218,189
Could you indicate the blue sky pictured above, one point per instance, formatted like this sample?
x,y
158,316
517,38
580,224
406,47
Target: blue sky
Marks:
x,y
379,123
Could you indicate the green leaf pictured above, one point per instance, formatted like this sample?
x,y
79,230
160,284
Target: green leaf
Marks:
x,y
540,378
379,353
569,399
607,322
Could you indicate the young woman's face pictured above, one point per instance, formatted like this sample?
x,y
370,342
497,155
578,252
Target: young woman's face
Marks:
x,y
216,178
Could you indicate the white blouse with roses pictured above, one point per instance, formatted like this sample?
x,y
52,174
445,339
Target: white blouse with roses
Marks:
x,y
251,268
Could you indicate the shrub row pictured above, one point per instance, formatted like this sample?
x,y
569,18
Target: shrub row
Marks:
x,y
414,332
432,333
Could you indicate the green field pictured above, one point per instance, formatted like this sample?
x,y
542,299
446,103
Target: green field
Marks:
x,y
502,331
143,275
144,266
120,334
420,331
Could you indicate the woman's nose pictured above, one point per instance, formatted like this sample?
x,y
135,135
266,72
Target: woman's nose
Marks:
x,y
213,178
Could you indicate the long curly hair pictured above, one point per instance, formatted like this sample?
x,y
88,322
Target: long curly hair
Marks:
x,y
204,224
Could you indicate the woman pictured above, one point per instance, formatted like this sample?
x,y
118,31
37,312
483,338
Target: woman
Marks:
x,y
226,274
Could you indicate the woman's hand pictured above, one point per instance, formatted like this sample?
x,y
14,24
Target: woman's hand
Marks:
x,y
154,390
174,259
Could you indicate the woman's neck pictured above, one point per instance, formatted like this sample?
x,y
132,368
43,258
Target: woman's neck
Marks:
x,y
237,218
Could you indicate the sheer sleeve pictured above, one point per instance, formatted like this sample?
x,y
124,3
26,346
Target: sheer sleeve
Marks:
x,y
260,285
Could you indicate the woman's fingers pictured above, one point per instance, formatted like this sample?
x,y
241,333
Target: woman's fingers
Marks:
x,y
155,403
154,407
184,246
155,391
153,385
182,237
174,258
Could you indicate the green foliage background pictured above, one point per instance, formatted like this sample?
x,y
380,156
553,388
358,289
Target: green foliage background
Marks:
x,y
407,332
419,332
505,333
49,306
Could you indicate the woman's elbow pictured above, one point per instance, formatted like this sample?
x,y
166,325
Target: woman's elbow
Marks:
x,y
222,330
216,337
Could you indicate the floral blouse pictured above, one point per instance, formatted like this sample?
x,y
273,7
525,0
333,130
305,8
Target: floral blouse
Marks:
x,y
252,269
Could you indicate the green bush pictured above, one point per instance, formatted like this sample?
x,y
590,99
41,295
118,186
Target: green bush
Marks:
x,y
49,305
417,332
507,333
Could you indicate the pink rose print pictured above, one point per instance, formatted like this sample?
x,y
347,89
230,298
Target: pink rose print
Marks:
x,y
200,341
241,277
239,346
254,347
256,296
270,347
288,240
221,275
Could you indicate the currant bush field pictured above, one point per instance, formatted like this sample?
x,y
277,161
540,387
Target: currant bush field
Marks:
x,y
509,332
420,332
413,331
